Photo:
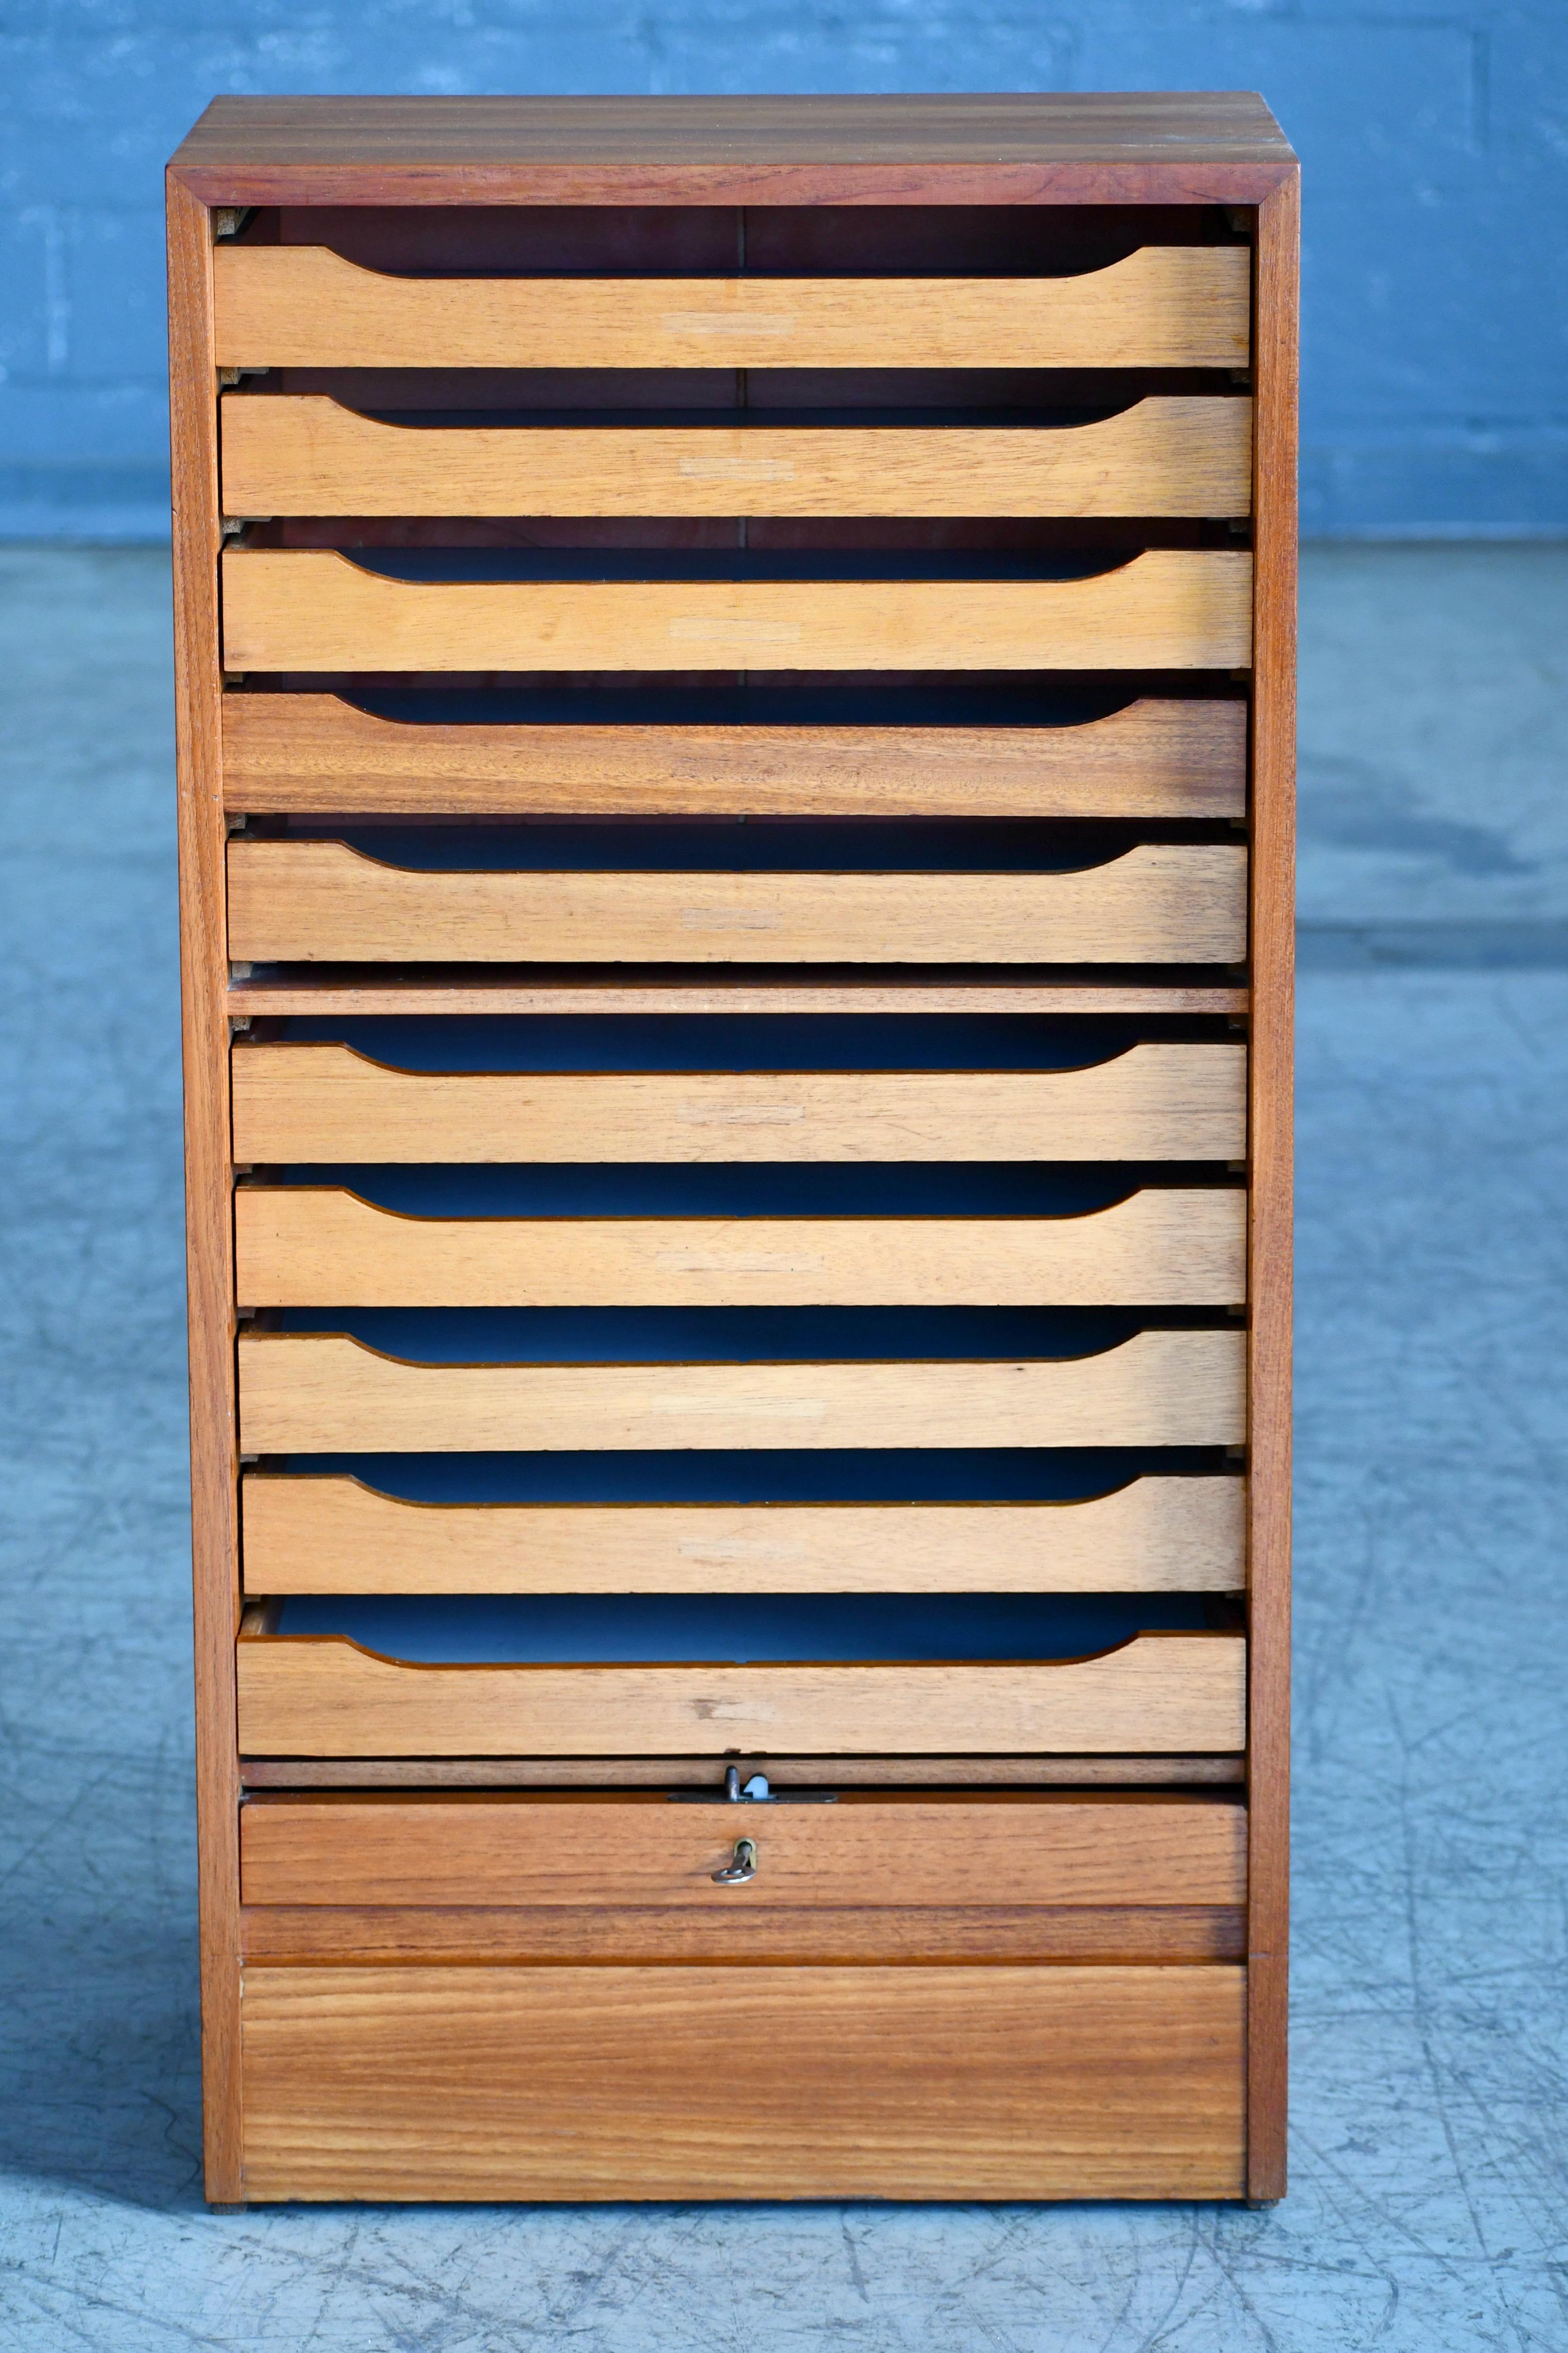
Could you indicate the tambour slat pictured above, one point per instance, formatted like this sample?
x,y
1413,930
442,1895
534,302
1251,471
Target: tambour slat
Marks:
x,y
322,901
313,609
334,1534
321,1696
303,1246
315,1393
304,306
307,454
1158,1100
316,753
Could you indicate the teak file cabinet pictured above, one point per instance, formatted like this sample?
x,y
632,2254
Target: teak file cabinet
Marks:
x,y
736,763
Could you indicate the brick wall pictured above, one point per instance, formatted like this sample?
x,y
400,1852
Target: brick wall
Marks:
x,y
1434,141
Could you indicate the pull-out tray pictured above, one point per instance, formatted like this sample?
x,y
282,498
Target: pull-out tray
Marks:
x,y
304,610
325,902
306,1245
307,454
315,1392
326,1695
1157,1100
338,1533
305,306
487,754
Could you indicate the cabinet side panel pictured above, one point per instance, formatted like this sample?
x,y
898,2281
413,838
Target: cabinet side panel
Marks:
x,y
1268,1376
203,973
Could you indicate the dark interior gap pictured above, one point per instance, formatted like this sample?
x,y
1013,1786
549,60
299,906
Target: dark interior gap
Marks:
x,y
738,1629
927,1475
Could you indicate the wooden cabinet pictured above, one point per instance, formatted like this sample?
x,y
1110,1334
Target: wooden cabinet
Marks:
x,y
735,797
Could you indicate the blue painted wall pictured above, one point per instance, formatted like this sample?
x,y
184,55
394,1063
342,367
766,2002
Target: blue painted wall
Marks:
x,y
1435,139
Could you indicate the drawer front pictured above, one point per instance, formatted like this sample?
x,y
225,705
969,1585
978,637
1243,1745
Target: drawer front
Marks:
x,y
858,1851
308,454
302,1246
998,2083
314,753
324,1393
321,1696
1158,903
303,306
333,1535
313,609
327,1102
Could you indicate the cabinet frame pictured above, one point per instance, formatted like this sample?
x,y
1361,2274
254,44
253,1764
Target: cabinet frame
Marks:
x,y
1059,151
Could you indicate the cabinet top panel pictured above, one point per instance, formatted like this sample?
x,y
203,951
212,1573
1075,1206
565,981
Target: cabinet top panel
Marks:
x,y
1141,147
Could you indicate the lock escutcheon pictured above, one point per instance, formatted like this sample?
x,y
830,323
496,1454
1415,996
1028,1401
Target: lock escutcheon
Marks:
x,y
742,1866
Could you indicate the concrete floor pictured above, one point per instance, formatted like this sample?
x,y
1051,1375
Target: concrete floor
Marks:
x,y
1427,2211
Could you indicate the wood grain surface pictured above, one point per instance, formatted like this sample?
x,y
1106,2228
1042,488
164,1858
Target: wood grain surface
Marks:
x,y
334,1534
342,990
197,536
1207,147
483,2082
1271,1110
1169,1770
306,454
322,1695
844,1934
314,609
303,753
589,2077
305,306
1159,902
321,1393
1157,1100
510,1850
308,1246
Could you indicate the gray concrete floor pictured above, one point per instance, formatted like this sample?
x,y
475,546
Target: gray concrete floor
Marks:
x,y
1428,2211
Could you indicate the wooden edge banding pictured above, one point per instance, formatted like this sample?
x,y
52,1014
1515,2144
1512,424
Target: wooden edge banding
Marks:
x,y
197,537
309,752
1268,1373
875,1935
345,990
879,1773
1096,181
